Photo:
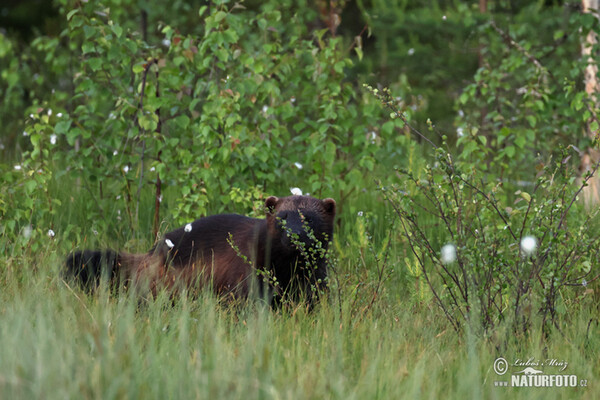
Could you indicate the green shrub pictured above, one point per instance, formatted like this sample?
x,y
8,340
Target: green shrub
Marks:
x,y
246,103
489,253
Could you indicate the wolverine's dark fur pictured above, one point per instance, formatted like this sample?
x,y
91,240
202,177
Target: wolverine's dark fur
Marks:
x,y
227,251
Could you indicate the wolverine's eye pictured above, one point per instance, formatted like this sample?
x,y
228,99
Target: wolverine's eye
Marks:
x,y
306,218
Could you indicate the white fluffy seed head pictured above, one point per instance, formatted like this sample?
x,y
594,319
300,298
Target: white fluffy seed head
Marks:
x,y
169,243
528,245
448,254
27,231
188,228
296,191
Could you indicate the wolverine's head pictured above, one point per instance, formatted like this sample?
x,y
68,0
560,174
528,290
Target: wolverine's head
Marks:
x,y
300,221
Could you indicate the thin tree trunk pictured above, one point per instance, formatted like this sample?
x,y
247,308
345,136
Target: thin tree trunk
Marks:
x,y
483,10
480,49
591,193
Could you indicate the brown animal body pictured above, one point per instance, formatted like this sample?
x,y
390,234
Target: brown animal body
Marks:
x,y
228,251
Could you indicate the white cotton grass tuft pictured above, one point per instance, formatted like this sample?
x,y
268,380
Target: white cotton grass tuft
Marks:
x,y
298,165
169,243
528,245
51,233
188,228
296,191
448,254
27,231
53,139
372,136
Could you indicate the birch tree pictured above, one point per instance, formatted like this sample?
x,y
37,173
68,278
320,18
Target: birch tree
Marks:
x,y
591,155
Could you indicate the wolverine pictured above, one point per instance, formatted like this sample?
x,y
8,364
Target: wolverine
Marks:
x,y
284,254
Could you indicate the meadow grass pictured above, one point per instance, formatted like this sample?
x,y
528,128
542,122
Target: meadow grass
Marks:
x,y
378,335
60,343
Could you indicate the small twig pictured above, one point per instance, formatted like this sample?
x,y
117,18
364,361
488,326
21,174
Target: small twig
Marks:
x,y
520,48
449,316
583,184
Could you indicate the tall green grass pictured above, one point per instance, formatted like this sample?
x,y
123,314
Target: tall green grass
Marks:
x,y
371,338
59,343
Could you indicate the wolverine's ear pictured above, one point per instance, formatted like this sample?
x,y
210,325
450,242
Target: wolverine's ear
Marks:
x,y
271,203
329,206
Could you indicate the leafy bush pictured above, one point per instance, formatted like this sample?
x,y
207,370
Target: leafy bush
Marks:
x,y
247,103
487,254
527,97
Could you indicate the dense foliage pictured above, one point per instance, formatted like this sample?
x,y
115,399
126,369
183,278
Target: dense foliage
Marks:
x,y
450,136
124,119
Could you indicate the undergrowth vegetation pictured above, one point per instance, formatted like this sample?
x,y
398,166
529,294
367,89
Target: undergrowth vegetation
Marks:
x,y
455,245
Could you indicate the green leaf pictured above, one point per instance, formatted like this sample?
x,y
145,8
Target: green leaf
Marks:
x,y
182,121
62,127
148,122
35,139
71,13
388,128
95,63
30,186
509,151
118,30
359,53
138,68
89,31
526,196
87,47
520,141
219,16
